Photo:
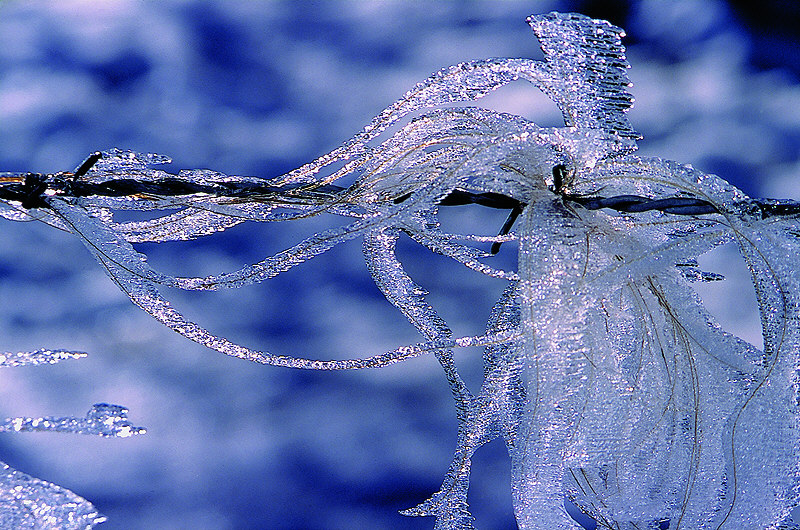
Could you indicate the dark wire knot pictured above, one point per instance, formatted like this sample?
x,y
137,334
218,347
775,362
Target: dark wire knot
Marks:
x,y
32,191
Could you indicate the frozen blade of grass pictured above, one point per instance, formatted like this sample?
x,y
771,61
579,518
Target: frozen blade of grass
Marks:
x,y
40,356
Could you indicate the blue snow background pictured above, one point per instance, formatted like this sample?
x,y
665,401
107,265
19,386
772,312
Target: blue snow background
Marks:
x,y
258,88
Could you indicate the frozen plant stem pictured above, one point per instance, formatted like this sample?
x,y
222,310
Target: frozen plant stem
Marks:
x,y
607,379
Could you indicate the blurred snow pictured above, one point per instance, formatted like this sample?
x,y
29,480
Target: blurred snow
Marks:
x,y
258,88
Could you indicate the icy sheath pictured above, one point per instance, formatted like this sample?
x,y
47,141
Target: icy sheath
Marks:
x,y
608,380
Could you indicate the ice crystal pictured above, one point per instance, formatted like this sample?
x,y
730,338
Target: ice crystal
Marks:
x,y
609,382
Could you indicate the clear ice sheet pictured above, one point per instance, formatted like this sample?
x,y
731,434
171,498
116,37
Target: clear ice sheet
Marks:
x,y
609,382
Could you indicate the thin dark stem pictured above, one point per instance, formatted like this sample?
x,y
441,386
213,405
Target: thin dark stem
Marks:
x,y
29,189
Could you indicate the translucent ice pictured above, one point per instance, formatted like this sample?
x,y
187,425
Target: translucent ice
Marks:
x,y
609,382
101,420
41,356
28,502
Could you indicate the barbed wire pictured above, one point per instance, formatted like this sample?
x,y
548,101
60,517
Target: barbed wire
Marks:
x,y
31,189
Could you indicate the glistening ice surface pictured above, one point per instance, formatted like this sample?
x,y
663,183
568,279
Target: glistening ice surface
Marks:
x,y
348,330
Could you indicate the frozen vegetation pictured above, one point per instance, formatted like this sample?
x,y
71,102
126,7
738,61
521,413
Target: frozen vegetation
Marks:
x,y
28,502
608,381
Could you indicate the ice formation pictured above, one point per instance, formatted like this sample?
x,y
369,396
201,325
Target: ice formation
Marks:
x,y
29,502
609,382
